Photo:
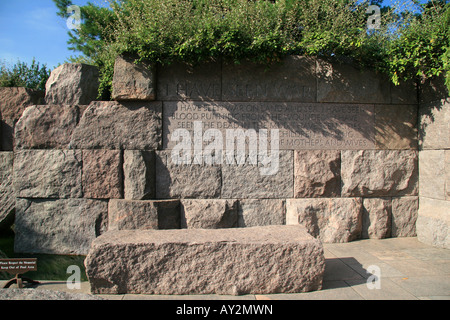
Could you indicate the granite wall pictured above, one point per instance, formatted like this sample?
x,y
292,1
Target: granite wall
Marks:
x,y
324,144
434,165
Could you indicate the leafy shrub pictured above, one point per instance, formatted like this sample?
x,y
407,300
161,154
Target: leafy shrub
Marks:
x,y
21,74
412,43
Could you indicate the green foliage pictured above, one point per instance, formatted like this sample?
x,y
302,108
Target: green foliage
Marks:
x,y
412,42
22,75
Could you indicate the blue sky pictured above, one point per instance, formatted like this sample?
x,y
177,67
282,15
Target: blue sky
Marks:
x,y
31,28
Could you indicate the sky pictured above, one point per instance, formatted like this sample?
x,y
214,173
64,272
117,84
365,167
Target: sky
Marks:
x,y
31,29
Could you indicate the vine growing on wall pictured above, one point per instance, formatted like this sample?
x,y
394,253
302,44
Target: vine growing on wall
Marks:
x,y
411,42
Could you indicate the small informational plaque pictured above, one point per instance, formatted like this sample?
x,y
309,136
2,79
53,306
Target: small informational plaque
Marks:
x,y
18,266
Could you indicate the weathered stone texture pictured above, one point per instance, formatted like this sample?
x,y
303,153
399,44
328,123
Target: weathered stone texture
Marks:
x,y
113,125
330,219
142,215
63,226
139,174
396,127
434,127
185,180
258,260
379,173
294,79
48,173
345,83
209,214
317,174
432,174
133,81
46,127
376,218
72,84
404,216
246,180
7,194
102,174
433,222
261,212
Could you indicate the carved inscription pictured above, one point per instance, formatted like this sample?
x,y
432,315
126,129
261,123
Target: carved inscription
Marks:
x,y
301,125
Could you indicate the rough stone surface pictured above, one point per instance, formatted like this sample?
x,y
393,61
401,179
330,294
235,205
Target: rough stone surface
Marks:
x,y
185,180
433,222
33,294
7,195
317,173
396,127
345,83
434,128
404,216
246,180
46,127
102,174
261,212
432,174
376,218
113,125
14,101
142,215
48,173
329,219
63,226
258,260
294,79
180,81
447,174
72,84
379,173
209,214
139,174
133,81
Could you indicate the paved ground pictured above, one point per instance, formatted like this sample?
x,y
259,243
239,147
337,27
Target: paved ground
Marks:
x,y
408,269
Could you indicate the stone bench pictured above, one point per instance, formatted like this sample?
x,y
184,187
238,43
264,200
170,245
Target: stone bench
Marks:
x,y
235,261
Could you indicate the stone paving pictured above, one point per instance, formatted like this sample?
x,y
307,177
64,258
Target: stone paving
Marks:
x,y
408,269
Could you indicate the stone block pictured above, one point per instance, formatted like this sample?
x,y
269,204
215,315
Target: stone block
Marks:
x,y
247,181
209,213
300,126
376,218
15,100
396,126
139,174
179,81
434,126
317,173
72,84
345,83
143,215
404,216
62,226
186,180
236,261
329,219
404,93
379,173
7,194
133,81
114,125
48,173
447,174
432,174
433,222
261,212
102,174
292,79
46,127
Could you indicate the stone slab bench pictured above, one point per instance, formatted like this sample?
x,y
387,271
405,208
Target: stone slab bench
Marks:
x,y
235,261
